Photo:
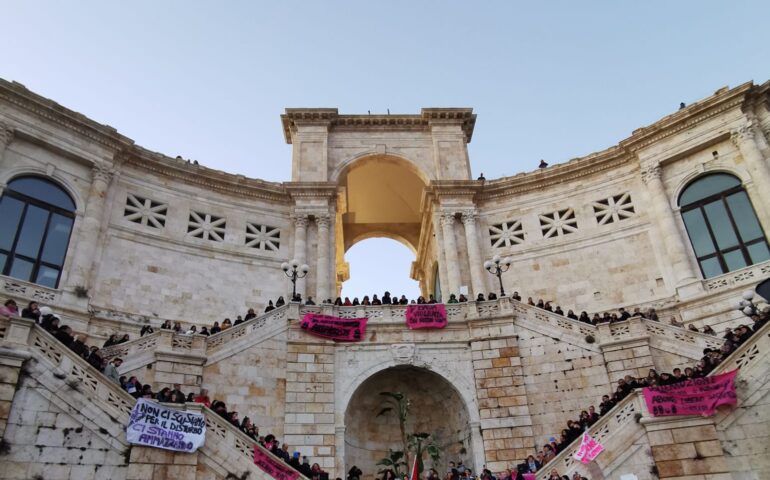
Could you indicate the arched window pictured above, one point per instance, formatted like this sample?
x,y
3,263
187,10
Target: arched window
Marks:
x,y
36,218
723,228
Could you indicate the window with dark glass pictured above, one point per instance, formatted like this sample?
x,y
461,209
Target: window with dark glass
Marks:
x,y
36,218
723,228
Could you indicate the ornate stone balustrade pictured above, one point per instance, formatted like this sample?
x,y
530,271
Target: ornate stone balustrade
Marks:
x,y
744,276
38,293
386,314
221,339
677,339
612,430
225,446
537,318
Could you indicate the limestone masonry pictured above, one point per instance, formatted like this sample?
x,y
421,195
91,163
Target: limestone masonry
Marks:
x,y
157,238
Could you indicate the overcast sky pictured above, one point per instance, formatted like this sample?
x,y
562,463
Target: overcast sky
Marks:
x,y
551,80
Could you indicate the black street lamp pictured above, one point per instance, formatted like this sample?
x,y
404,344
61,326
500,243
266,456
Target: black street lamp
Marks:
x,y
497,266
294,270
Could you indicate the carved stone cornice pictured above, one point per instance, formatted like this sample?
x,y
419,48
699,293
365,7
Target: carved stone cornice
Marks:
x,y
17,95
650,173
721,101
295,117
326,190
204,177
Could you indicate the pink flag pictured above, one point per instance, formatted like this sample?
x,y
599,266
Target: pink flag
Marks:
x,y
588,449
697,396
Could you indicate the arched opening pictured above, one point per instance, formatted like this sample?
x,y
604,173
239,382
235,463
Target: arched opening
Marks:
x,y
720,221
36,218
379,264
436,408
380,196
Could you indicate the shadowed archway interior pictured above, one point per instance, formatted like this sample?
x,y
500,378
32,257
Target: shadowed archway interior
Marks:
x,y
436,407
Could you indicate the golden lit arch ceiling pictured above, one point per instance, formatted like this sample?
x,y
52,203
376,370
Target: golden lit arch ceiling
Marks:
x,y
383,199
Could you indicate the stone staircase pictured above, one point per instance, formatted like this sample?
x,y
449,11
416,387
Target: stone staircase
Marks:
x,y
623,426
78,386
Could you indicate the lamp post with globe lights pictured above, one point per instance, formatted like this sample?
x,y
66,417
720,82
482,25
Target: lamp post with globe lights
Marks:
x,y
497,266
745,305
294,270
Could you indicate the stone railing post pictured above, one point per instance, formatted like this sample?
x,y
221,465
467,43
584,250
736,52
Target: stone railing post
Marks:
x,y
684,446
626,348
11,361
18,330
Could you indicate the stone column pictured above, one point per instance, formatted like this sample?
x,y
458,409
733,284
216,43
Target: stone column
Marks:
x,y
300,242
474,253
88,231
6,137
672,240
745,139
450,249
441,258
322,275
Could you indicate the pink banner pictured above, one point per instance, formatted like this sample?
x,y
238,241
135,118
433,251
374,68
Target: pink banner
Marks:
x,y
274,467
698,396
431,315
588,449
335,328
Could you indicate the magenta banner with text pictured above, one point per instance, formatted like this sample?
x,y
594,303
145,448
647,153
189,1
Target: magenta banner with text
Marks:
x,y
431,315
334,328
698,396
274,467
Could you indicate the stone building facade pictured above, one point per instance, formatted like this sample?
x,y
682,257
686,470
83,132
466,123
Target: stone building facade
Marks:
x,y
155,238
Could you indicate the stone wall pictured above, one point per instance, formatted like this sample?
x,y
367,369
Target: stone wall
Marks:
x,y
46,439
560,379
253,383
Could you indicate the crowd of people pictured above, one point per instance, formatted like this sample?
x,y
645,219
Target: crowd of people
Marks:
x,y
174,394
574,429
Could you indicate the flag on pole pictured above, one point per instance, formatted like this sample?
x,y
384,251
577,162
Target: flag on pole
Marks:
x,y
415,474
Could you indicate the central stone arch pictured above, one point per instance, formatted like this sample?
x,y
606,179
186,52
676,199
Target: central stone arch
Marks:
x,y
436,407
380,195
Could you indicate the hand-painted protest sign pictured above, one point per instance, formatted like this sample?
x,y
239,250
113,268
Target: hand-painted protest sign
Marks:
x,y
588,449
274,467
698,396
335,328
426,316
155,425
